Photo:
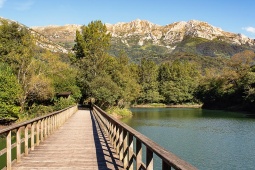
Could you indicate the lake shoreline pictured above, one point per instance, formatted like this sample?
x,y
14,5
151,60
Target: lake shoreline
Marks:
x,y
168,106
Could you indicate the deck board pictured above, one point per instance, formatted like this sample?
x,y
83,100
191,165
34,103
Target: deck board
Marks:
x,y
78,144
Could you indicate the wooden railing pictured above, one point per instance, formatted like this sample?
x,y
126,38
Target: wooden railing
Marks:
x,y
30,133
122,138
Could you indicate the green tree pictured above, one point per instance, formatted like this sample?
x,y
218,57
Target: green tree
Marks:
x,y
178,81
91,47
9,93
148,73
17,49
121,73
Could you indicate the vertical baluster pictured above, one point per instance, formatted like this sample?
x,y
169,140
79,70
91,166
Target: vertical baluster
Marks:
x,y
112,133
117,139
138,153
9,150
125,149
32,136
26,140
121,143
165,166
130,152
42,123
45,128
37,133
149,159
18,147
114,136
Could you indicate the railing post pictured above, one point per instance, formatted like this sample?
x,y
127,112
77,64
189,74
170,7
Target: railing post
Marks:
x,y
111,133
130,152
121,143
117,139
37,133
125,149
114,136
32,136
149,159
26,140
138,154
18,147
45,128
9,150
42,123
165,166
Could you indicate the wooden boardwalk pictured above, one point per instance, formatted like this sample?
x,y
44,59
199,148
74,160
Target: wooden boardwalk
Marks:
x,y
78,144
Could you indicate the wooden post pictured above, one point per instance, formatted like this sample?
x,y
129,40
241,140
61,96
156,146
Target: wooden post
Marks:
x,y
111,133
117,139
37,133
42,123
130,152
45,128
26,140
114,136
125,149
138,154
121,143
165,166
9,150
149,159
32,136
18,147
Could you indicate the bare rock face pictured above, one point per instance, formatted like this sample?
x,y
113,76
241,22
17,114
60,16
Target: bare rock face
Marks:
x,y
139,32
59,33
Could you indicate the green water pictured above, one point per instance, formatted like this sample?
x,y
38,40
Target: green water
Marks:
x,y
206,139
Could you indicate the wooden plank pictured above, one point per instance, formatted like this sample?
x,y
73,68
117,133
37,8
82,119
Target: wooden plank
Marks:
x,y
170,158
78,144
125,149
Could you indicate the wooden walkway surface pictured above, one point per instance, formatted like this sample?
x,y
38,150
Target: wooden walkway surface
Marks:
x,y
78,144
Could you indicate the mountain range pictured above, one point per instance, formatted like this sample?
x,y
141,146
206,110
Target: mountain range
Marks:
x,y
141,38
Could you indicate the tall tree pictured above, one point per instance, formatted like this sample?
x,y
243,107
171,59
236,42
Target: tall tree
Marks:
x,y
17,49
9,93
178,81
148,73
91,48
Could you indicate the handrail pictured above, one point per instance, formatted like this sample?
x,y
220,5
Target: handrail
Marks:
x,y
37,130
122,137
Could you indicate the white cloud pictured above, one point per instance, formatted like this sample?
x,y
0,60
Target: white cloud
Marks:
x,y
250,29
23,6
2,3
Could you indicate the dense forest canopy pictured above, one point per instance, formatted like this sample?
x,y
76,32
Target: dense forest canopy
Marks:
x,y
31,77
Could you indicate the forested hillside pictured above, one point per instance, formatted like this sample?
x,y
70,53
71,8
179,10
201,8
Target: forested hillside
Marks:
x,y
31,77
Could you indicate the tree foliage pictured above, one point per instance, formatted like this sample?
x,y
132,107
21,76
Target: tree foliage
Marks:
x,y
9,93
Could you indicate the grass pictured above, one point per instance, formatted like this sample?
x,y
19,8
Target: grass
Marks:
x,y
119,112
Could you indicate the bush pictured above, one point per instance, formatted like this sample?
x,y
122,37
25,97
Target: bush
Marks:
x,y
119,112
62,103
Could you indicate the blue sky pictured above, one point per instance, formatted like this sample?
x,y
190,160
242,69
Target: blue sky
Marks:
x,y
236,16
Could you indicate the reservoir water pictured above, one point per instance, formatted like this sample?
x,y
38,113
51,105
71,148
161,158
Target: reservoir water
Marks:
x,y
207,139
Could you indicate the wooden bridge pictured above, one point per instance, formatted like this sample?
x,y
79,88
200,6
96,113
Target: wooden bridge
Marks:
x,y
81,139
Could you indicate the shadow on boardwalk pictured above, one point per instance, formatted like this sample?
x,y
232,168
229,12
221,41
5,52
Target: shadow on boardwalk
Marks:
x,y
105,153
78,144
